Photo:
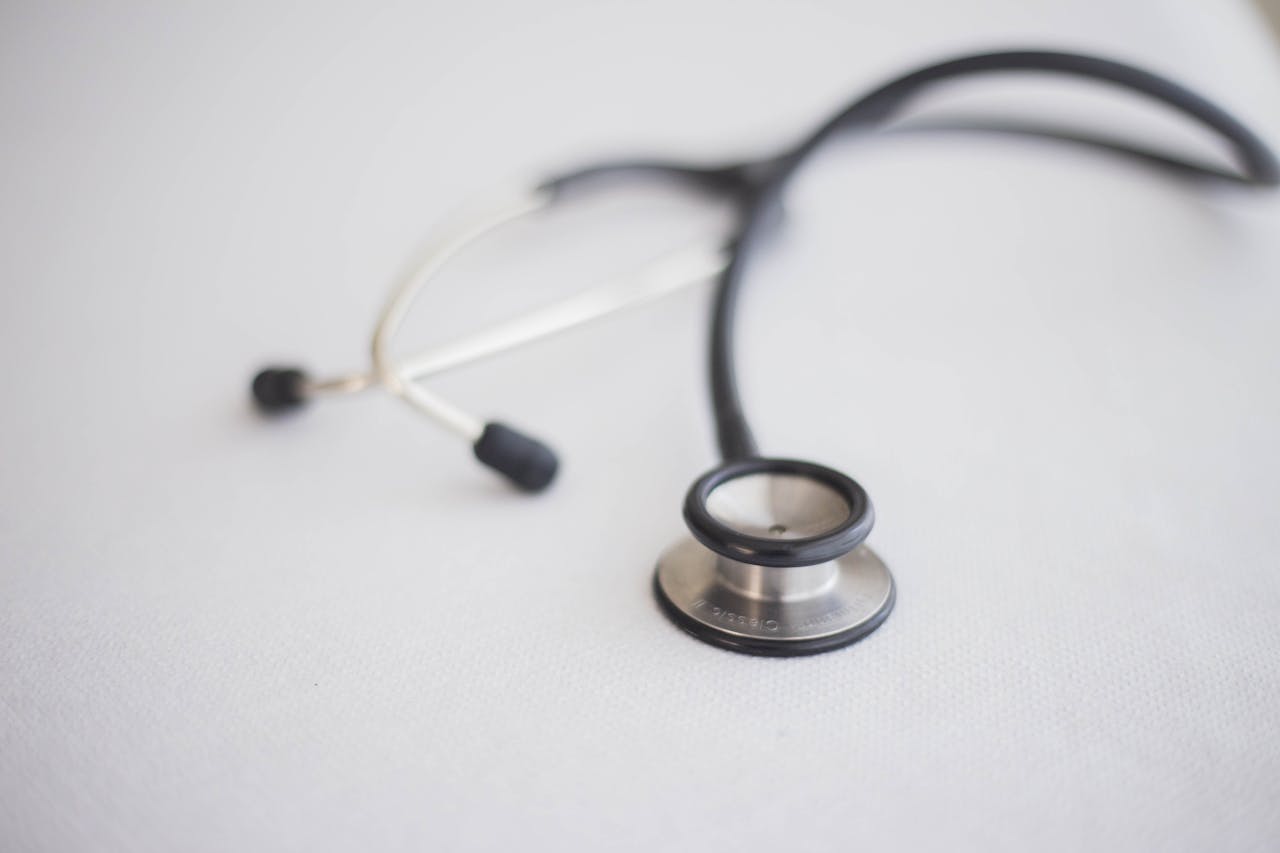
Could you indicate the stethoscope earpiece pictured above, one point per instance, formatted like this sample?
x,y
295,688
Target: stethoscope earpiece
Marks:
x,y
528,463
776,565
279,389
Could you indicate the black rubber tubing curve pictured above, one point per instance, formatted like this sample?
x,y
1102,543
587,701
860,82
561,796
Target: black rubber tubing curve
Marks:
x,y
754,186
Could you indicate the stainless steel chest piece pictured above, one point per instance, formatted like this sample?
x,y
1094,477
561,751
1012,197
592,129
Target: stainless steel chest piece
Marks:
x,y
776,564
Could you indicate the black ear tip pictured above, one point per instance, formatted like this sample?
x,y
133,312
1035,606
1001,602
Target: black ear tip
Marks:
x,y
526,462
279,389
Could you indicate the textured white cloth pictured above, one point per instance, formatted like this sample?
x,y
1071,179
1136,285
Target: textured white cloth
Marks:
x,y
1055,373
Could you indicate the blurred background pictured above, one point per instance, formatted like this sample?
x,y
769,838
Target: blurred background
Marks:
x,y
1271,9
1053,370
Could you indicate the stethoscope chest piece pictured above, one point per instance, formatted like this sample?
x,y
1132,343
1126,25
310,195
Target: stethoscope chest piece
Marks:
x,y
776,564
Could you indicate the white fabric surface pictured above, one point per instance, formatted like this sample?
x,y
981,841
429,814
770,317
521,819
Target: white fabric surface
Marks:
x,y
1056,374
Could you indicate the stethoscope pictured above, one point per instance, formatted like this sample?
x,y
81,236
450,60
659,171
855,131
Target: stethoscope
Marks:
x,y
776,563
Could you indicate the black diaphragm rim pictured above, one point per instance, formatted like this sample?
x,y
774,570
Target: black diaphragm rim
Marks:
x,y
778,553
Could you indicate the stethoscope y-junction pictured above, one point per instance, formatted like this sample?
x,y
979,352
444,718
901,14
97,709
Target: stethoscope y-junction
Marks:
x,y
776,563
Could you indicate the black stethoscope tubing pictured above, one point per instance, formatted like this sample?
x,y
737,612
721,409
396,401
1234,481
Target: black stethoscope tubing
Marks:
x,y
753,187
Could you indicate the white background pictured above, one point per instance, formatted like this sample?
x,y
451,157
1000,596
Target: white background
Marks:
x,y
1054,371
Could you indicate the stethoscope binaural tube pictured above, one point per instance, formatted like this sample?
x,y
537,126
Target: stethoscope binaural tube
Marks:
x,y
776,563
524,461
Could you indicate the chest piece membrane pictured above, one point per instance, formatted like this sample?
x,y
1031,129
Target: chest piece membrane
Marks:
x,y
776,564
